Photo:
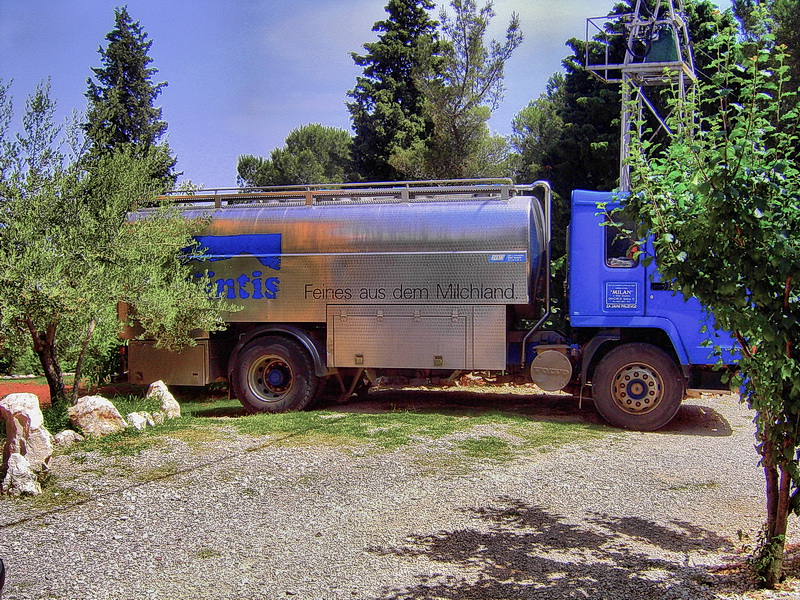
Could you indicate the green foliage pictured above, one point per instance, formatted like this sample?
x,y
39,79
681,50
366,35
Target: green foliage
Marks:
x,y
56,417
386,110
128,442
787,17
461,87
54,495
312,154
570,135
722,202
69,254
18,359
536,128
585,153
784,24
121,115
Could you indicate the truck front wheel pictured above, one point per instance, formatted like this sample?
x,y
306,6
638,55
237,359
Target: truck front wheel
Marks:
x,y
637,386
274,374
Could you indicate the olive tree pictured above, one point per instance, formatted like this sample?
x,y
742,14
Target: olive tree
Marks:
x,y
69,251
721,201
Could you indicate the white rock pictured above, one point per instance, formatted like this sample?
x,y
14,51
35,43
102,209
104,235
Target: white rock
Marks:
x,y
39,449
27,404
68,437
140,420
95,415
25,430
20,480
169,406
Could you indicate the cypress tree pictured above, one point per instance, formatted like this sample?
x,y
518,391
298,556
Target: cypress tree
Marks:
x,y
121,115
386,110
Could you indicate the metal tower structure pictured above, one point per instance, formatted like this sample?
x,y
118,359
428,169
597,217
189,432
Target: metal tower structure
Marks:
x,y
647,48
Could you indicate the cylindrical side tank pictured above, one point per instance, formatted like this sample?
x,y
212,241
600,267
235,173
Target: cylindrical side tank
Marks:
x,y
286,263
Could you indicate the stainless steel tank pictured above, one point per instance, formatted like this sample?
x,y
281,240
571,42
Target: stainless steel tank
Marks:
x,y
288,263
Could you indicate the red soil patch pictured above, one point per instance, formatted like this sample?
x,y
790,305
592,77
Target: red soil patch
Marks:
x,y
16,386
42,390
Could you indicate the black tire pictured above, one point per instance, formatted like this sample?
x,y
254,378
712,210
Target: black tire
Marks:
x,y
274,374
638,386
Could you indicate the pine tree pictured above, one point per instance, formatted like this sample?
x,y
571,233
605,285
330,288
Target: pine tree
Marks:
x,y
312,153
121,115
387,104
586,153
462,86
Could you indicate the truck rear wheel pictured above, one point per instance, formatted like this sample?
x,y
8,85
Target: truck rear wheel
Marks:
x,y
274,374
637,386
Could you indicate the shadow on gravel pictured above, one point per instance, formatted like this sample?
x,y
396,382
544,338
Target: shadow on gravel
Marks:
x,y
693,419
521,551
690,420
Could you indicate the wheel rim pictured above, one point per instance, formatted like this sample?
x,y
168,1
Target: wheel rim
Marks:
x,y
637,388
270,378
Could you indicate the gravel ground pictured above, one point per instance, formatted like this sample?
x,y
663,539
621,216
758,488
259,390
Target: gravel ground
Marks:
x,y
625,516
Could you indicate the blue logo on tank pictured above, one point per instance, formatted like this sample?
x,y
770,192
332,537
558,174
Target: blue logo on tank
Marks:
x,y
264,247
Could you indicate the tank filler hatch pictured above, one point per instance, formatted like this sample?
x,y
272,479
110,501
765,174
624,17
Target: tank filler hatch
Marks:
x,y
647,48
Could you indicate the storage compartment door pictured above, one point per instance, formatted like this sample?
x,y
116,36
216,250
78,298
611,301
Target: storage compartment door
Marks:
x,y
147,364
399,337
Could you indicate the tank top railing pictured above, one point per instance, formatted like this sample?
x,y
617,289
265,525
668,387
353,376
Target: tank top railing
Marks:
x,y
394,191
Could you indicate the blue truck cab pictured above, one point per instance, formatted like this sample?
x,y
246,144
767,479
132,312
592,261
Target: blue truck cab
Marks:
x,y
642,344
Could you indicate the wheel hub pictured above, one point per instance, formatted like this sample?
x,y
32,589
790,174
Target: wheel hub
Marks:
x,y
637,388
270,378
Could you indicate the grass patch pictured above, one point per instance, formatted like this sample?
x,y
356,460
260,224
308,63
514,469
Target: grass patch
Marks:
x,y
54,494
547,435
380,431
208,553
488,447
132,403
7,381
159,472
386,431
443,465
55,417
194,435
124,443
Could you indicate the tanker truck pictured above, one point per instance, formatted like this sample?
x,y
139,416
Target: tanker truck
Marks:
x,y
344,284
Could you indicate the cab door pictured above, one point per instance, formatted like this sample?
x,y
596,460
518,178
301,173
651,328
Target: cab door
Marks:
x,y
606,282
624,283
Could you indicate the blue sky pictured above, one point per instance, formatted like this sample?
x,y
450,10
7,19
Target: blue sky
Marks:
x,y
243,73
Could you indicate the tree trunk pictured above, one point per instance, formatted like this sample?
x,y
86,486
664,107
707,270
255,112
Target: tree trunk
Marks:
x,y
79,363
778,506
44,346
